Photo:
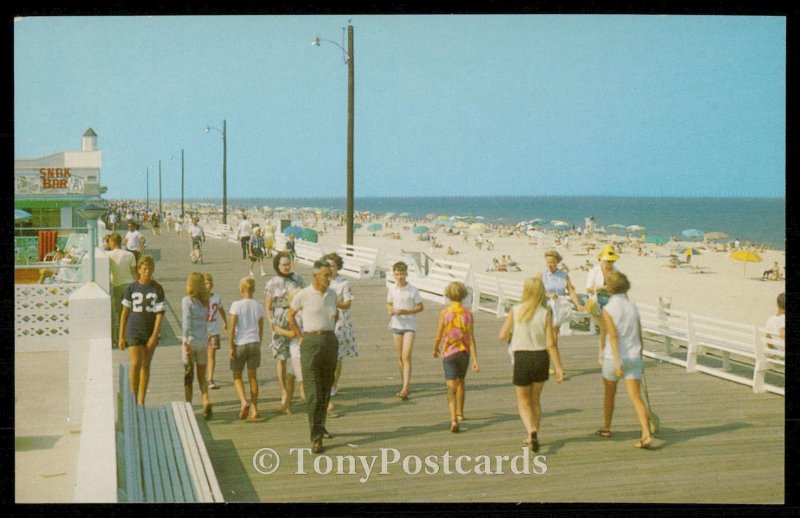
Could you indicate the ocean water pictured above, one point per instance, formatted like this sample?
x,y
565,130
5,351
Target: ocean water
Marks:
x,y
759,220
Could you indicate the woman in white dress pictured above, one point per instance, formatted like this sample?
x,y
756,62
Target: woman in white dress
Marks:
x,y
344,329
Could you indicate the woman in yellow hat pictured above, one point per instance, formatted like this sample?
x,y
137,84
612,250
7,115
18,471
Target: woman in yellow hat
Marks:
x,y
596,285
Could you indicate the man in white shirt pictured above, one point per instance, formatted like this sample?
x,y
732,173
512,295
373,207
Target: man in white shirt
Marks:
x,y
243,232
319,347
196,231
134,240
122,266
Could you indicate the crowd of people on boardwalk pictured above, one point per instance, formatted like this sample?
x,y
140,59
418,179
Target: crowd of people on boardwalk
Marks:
x,y
311,332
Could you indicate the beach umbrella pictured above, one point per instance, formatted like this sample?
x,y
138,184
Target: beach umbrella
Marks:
x,y
537,234
714,236
693,233
461,224
691,251
442,216
388,215
560,223
657,240
446,223
480,227
617,226
21,215
356,226
538,221
745,257
292,229
310,235
403,214
374,227
422,229
636,228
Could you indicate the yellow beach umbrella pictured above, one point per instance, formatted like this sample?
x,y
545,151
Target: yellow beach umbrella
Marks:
x,y
746,256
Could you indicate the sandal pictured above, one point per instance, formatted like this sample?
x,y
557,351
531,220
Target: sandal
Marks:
x,y
244,411
454,426
534,442
644,444
604,432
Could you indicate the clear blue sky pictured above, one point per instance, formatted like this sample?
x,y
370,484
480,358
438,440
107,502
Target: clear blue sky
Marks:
x,y
444,105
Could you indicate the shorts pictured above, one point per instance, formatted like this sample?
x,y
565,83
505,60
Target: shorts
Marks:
x,y
195,356
530,367
247,354
631,369
213,342
137,343
455,365
402,331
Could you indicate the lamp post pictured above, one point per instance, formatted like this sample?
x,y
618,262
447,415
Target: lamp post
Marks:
x,y
90,212
348,59
224,133
160,211
147,205
181,182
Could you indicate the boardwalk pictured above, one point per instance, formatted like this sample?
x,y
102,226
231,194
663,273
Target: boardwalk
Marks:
x,y
720,443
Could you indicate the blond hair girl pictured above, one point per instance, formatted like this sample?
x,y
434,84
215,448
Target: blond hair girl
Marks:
x,y
529,328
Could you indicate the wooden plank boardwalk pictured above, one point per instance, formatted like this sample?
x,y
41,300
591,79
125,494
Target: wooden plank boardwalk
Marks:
x,y
720,442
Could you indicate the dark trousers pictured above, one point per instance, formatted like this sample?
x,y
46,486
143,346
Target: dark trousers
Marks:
x,y
319,355
244,241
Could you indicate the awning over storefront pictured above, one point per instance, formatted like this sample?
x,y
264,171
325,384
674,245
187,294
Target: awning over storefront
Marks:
x,y
49,202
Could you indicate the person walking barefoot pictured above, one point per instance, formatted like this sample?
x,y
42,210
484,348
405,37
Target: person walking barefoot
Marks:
x,y
403,302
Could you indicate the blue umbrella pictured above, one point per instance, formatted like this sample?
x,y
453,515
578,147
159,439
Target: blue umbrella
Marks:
x,y
310,235
658,240
422,229
374,227
356,226
693,232
21,215
297,231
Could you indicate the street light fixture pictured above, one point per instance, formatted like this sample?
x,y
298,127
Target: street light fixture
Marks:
x,y
348,59
224,133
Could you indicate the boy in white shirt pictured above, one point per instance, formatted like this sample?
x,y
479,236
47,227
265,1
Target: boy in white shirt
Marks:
x,y
245,333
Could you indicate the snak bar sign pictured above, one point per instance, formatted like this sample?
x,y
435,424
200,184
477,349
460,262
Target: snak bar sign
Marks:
x,y
49,181
54,177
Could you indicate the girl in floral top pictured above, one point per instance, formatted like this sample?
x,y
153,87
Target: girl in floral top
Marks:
x,y
455,328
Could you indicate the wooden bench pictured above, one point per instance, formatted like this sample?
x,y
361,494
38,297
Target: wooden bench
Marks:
x,y
161,455
218,231
440,274
671,324
503,293
360,262
307,252
487,287
726,338
414,271
770,355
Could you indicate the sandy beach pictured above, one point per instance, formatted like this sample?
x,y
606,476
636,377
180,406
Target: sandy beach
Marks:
x,y
715,285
